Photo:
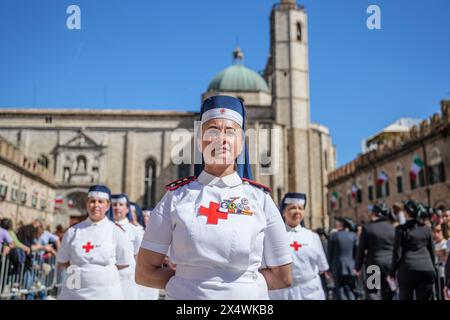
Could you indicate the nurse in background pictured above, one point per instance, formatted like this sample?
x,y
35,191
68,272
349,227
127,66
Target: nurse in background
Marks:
x,y
94,251
308,256
122,216
137,217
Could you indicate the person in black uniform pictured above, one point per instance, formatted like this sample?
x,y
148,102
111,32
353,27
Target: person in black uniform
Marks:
x,y
341,252
414,255
375,247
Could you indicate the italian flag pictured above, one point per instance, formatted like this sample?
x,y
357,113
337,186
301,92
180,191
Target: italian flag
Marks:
x,y
354,191
416,166
334,199
382,178
59,199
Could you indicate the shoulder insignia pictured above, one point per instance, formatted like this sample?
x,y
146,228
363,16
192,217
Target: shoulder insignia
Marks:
x,y
180,182
258,185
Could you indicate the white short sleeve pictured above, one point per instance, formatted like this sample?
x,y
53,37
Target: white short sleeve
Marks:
x,y
63,254
158,233
321,259
123,252
276,249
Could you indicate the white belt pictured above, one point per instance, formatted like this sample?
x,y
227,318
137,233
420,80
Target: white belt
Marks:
x,y
220,275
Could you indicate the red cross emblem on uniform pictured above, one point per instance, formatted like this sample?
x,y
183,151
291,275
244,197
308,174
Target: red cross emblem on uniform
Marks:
x,y
222,111
212,213
295,245
88,246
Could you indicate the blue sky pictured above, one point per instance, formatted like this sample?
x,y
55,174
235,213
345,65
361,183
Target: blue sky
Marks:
x,y
162,54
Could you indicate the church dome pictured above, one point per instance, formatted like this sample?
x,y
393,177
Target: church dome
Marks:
x,y
238,78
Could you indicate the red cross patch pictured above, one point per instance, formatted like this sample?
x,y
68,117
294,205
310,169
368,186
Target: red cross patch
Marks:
x,y
87,247
295,245
212,213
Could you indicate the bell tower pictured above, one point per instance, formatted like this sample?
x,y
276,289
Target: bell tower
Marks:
x,y
290,87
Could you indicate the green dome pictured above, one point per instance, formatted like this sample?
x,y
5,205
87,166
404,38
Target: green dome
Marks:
x,y
238,78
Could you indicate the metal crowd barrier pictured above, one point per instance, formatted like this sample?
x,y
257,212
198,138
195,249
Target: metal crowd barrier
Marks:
x,y
38,278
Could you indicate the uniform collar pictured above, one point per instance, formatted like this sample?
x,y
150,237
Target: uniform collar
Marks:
x,y
98,223
232,180
296,229
122,222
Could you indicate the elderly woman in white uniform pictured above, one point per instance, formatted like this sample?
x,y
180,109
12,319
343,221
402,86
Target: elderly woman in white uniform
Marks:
x,y
225,234
94,251
307,252
122,216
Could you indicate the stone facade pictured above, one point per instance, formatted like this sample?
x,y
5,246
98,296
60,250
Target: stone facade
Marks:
x,y
27,189
84,147
430,141
130,151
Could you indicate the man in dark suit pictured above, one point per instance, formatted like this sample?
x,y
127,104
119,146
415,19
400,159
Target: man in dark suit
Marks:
x,y
342,250
375,248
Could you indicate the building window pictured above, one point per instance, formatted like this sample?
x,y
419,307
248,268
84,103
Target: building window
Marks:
x,y
66,175
43,161
370,193
437,173
23,197
399,184
419,181
3,191
34,201
299,31
340,202
378,191
13,194
150,183
81,164
359,196
266,154
382,190
349,200
48,119
43,204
